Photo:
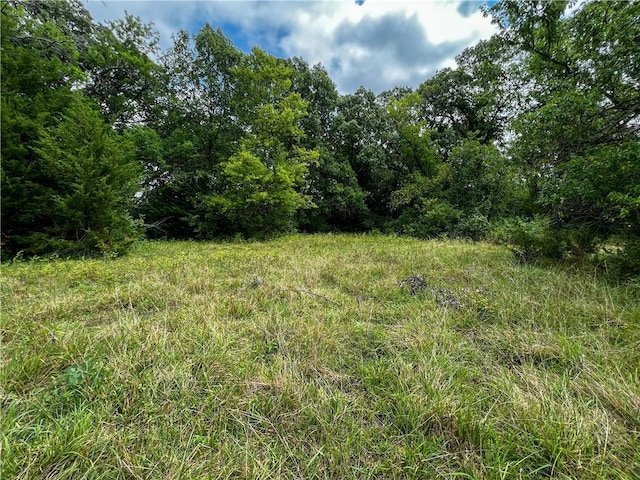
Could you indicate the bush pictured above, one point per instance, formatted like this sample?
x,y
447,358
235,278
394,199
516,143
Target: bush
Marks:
x,y
530,240
623,261
475,227
435,218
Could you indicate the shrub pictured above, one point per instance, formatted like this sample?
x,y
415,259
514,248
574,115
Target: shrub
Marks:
x,y
436,217
529,239
474,227
623,261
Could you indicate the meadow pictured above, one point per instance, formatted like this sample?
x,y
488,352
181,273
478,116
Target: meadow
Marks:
x,y
318,356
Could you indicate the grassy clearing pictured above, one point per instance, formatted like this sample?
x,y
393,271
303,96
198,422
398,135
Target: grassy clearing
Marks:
x,y
303,358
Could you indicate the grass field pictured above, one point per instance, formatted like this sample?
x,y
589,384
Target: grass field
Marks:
x,y
304,358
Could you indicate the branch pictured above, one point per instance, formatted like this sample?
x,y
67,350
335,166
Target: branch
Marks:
x,y
55,46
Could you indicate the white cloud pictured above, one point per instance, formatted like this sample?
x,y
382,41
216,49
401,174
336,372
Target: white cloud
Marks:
x,y
380,44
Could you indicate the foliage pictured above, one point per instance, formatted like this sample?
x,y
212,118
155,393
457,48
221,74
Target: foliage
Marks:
x,y
529,239
67,180
539,121
259,187
627,264
357,134
318,91
428,219
477,98
599,191
91,180
337,201
121,76
579,135
234,157
258,201
197,129
480,179
475,227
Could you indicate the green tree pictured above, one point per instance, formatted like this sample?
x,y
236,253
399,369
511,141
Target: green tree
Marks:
x,y
337,201
580,131
319,92
261,183
120,73
477,98
418,206
358,133
198,128
480,180
51,132
89,179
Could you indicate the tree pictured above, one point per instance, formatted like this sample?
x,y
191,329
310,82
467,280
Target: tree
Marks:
x,y
581,129
51,132
120,73
477,98
260,185
86,185
336,199
39,62
418,206
316,88
480,180
359,137
198,129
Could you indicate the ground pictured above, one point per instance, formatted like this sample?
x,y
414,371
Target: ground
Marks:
x,y
326,356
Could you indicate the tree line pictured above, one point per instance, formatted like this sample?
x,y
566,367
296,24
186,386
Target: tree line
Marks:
x,y
532,138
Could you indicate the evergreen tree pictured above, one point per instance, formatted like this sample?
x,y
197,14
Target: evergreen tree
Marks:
x,y
67,178
91,181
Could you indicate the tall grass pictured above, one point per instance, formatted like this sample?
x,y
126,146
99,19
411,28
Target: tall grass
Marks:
x,y
304,358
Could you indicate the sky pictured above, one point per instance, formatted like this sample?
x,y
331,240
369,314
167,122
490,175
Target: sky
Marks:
x,y
378,44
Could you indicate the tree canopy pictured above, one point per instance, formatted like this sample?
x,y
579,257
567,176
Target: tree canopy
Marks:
x,y
106,138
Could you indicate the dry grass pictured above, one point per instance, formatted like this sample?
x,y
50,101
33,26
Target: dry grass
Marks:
x,y
303,358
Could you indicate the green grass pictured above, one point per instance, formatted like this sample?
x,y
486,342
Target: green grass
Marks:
x,y
303,358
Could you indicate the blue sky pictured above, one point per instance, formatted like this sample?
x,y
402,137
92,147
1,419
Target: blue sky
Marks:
x,y
379,44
